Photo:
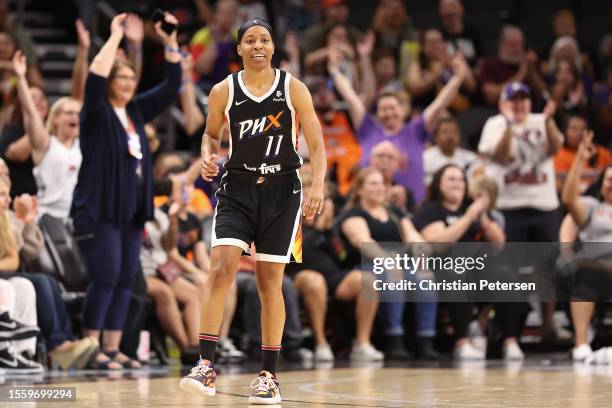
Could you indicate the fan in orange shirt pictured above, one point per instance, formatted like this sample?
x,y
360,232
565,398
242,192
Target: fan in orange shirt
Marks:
x,y
343,150
575,129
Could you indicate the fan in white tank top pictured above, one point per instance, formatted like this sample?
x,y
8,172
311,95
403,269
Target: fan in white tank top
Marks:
x,y
56,177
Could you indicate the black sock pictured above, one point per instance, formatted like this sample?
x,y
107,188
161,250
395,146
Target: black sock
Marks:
x,y
208,344
270,358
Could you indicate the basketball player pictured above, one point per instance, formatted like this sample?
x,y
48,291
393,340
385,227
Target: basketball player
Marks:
x,y
260,197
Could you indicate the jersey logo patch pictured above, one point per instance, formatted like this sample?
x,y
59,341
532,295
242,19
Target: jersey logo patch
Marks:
x,y
267,169
278,98
260,125
241,102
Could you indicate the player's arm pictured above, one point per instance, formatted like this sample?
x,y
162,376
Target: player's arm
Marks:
x,y
302,102
217,100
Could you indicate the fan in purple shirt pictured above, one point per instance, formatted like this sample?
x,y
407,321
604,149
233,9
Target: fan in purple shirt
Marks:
x,y
389,124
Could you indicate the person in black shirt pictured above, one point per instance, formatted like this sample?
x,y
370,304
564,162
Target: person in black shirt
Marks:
x,y
450,216
459,37
368,219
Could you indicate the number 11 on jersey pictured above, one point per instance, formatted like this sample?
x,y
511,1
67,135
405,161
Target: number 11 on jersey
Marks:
x,y
271,142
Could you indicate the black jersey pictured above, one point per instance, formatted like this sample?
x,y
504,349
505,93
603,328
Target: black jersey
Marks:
x,y
263,130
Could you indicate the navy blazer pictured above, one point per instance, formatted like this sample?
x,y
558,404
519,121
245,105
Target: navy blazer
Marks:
x,y
108,188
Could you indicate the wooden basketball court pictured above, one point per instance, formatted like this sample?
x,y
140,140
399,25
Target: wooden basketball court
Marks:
x,y
470,385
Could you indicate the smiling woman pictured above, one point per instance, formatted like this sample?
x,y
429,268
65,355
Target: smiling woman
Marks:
x,y
113,197
55,147
122,83
261,199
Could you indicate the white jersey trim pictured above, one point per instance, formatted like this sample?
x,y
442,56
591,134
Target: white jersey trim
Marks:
x,y
259,99
230,96
272,258
230,100
294,129
232,242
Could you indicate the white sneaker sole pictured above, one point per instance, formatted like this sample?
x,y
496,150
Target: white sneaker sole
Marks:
x,y
195,387
33,370
265,401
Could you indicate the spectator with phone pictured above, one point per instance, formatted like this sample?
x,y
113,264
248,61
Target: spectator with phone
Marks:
x,y
114,193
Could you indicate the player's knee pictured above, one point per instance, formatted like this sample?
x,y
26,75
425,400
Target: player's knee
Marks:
x,y
270,292
221,275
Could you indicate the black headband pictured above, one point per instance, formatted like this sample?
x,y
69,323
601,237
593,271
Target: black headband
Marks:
x,y
251,23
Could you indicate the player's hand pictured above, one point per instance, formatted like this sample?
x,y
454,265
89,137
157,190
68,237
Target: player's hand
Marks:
x,y
209,168
313,203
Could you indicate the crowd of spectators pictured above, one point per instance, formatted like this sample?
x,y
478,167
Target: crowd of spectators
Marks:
x,y
399,107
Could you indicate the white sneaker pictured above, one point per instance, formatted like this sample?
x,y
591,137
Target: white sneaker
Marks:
x,y
582,352
479,343
474,329
323,353
227,351
563,334
12,362
512,352
602,356
468,352
305,354
366,352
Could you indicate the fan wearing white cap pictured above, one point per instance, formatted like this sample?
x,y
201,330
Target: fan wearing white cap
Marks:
x,y
520,146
